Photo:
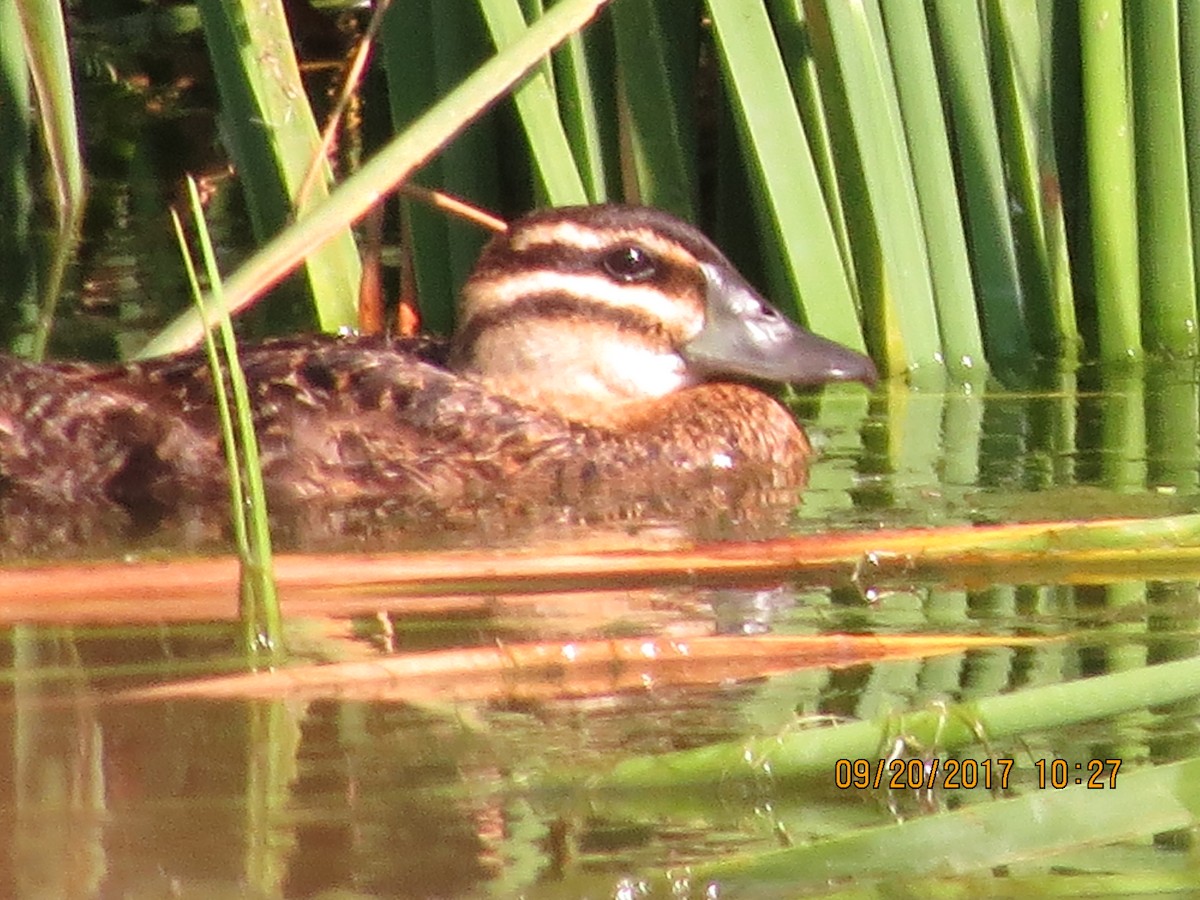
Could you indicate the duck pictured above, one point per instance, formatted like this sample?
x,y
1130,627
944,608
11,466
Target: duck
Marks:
x,y
607,362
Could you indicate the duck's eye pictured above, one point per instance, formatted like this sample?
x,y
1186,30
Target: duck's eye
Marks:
x,y
630,263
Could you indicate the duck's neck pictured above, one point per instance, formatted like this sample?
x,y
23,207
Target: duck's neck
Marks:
x,y
587,374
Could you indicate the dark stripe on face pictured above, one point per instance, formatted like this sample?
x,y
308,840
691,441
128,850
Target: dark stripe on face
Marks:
x,y
556,307
670,278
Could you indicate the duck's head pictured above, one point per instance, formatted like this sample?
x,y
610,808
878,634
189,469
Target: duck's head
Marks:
x,y
580,309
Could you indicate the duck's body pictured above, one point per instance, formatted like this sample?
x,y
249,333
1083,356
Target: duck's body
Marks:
x,y
576,386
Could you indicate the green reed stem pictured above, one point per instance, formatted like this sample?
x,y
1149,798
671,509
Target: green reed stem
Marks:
x,y
790,199
261,617
1189,40
44,36
17,246
1020,58
1110,177
273,137
580,106
656,93
791,25
905,310
1168,272
237,501
989,226
537,106
934,179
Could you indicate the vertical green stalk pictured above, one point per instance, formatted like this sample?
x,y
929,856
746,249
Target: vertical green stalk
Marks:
x,y
1021,57
933,176
537,106
45,38
792,29
1168,276
656,97
415,41
1108,124
581,113
273,138
262,620
783,171
16,198
466,167
1189,41
237,500
902,306
989,226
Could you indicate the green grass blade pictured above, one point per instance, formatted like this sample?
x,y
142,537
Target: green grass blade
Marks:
x,y
273,139
1189,38
989,227
656,95
579,100
1167,264
902,308
237,502
261,616
1024,829
933,176
812,753
1110,177
558,177
45,38
789,20
788,189
392,165
16,195
1020,57
426,49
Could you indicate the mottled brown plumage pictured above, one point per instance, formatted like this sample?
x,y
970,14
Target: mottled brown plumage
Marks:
x,y
535,420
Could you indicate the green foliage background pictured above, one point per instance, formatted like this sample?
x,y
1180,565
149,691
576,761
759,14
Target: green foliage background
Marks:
x,y
956,186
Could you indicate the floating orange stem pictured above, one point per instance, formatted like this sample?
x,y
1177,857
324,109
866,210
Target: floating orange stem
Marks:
x,y
352,584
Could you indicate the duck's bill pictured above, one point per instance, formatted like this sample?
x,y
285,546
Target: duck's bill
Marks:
x,y
745,336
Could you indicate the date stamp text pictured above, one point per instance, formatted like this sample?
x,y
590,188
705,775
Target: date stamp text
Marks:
x,y
968,774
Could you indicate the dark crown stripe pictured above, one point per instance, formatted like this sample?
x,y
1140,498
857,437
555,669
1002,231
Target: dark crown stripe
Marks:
x,y
555,307
504,261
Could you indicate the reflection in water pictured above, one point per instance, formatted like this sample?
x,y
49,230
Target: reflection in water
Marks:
x,y
290,797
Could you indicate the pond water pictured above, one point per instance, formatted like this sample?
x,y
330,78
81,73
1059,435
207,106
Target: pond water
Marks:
x,y
452,784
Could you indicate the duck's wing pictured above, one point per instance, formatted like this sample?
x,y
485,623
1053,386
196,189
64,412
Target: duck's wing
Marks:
x,y
367,425
377,428
80,464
